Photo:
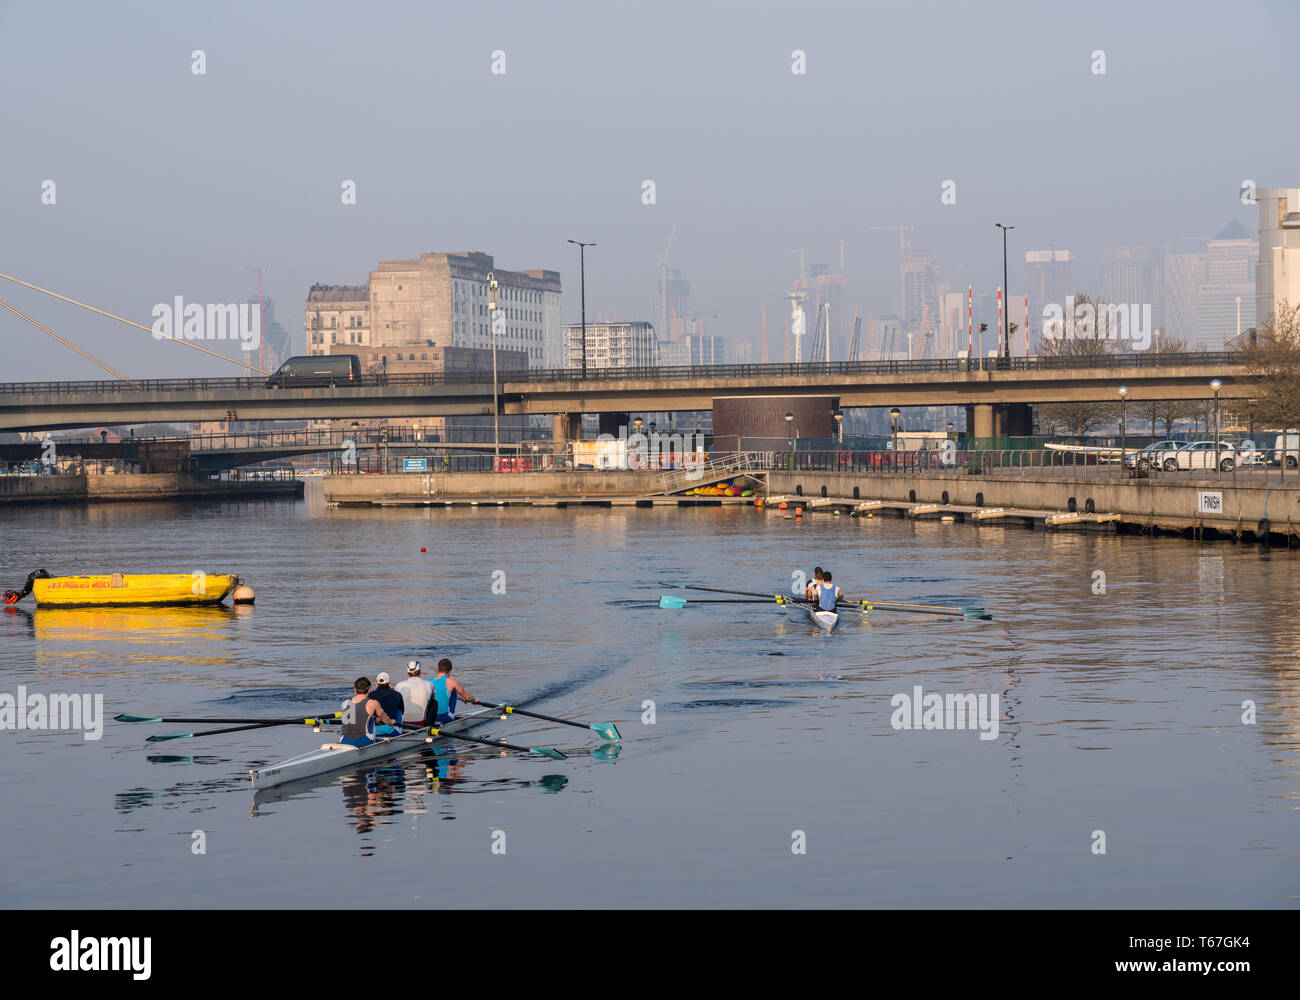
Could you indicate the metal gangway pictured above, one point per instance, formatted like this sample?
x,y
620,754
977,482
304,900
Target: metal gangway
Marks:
x,y
715,470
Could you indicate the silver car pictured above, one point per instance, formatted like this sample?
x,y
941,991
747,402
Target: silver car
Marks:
x,y
1150,457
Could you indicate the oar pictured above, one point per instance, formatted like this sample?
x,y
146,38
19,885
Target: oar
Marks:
x,y
606,730
236,729
716,590
259,722
540,751
676,603
922,609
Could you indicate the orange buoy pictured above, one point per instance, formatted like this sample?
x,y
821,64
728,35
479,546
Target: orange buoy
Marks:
x,y
421,548
782,506
244,594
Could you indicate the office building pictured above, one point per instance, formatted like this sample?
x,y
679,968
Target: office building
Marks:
x,y
337,315
611,345
1277,276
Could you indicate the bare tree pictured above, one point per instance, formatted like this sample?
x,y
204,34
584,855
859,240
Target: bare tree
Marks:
x,y
1078,418
1273,359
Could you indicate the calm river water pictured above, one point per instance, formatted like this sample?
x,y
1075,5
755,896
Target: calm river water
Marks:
x,y
1120,714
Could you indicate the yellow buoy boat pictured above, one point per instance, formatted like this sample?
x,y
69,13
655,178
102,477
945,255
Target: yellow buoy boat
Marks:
x,y
125,589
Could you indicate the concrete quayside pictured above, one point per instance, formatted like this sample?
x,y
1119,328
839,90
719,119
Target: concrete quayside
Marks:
x,y
1247,506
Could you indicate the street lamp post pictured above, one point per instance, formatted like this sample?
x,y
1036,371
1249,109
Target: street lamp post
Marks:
x,y
1123,429
492,326
582,267
839,426
1216,385
894,414
1006,291
789,437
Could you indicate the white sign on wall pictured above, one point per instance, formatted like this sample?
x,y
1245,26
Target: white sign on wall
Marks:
x,y
1209,503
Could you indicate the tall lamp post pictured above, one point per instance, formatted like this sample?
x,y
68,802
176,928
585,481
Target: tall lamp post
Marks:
x,y
492,325
789,436
582,267
1216,385
894,414
1123,429
1006,291
839,427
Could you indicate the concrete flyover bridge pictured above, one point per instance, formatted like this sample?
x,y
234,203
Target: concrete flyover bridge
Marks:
x,y
56,405
998,395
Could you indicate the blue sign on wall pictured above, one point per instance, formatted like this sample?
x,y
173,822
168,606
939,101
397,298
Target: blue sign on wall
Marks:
x,y
415,465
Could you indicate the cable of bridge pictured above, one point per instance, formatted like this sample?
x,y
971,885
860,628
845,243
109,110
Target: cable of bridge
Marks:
x,y
128,322
66,343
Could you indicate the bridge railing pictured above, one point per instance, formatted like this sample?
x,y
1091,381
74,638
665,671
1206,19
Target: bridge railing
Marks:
x,y
1259,464
934,366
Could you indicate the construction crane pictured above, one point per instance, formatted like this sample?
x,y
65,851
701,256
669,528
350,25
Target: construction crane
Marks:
x,y
796,322
857,332
902,257
818,353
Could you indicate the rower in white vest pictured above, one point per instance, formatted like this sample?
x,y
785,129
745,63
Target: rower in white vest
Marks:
x,y
415,692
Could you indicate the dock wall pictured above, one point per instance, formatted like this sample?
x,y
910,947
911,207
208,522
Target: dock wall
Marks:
x,y
153,486
1246,507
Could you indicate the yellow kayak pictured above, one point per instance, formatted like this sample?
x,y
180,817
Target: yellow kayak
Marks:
x,y
118,589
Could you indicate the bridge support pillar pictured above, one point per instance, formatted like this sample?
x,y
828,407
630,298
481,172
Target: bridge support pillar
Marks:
x,y
566,427
610,423
980,421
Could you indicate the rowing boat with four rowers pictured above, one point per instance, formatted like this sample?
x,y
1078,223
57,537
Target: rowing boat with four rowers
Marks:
x,y
361,741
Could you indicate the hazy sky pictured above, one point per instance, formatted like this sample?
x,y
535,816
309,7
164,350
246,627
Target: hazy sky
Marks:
x,y
171,184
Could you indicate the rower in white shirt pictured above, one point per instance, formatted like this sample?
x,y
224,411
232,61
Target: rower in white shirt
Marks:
x,y
415,692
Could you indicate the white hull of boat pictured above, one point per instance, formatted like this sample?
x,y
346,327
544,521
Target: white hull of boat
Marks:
x,y
824,619
338,756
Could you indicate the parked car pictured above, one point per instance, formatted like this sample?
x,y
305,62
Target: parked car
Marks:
x,y
317,370
1251,454
1150,457
1203,455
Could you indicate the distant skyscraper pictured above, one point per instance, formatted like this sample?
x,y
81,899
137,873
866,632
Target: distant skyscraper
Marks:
x,y
705,349
1231,259
920,286
1277,277
825,288
1049,278
673,304
1202,289
1133,275
274,336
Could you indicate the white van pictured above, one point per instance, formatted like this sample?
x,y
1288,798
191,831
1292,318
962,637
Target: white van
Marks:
x,y
1288,444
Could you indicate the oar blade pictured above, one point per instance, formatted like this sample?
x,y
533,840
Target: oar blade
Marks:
x,y
173,736
607,730
136,718
547,752
673,603
607,752
977,614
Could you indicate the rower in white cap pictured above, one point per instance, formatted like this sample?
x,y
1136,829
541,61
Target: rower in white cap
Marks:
x,y
415,692
390,701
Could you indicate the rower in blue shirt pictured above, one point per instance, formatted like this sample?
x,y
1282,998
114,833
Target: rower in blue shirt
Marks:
x,y
446,689
827,593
